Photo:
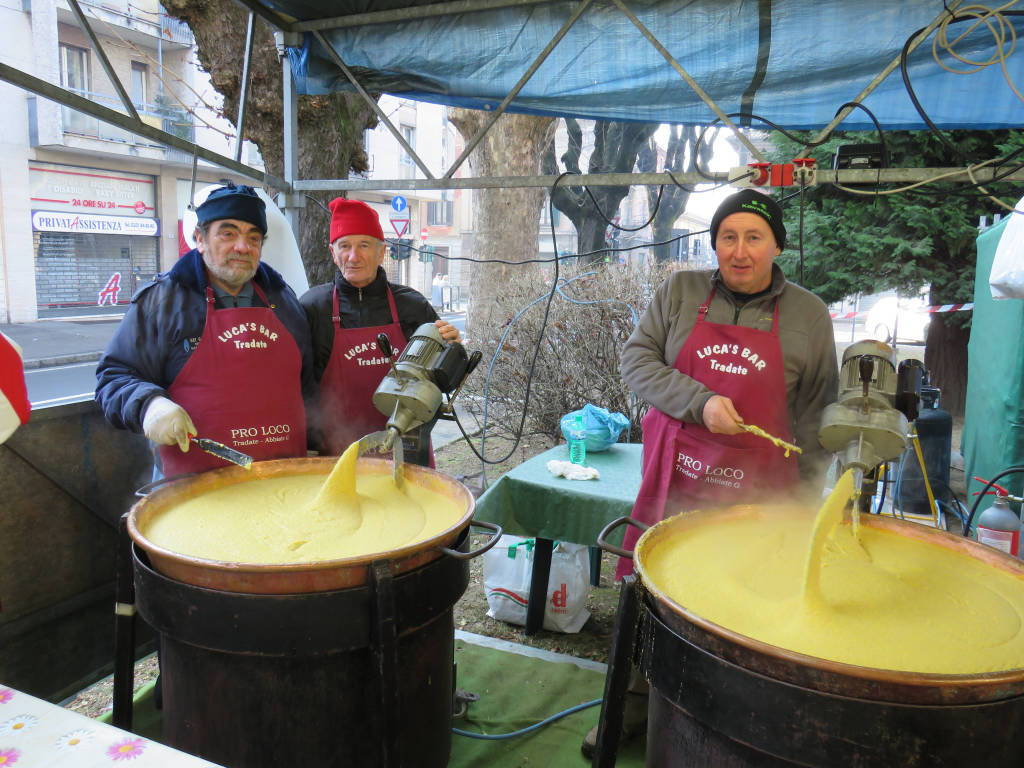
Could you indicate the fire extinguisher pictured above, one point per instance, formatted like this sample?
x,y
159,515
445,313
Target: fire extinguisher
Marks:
x,y
998,526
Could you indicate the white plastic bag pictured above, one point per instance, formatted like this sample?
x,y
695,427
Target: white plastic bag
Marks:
x,y
1006,280
508,566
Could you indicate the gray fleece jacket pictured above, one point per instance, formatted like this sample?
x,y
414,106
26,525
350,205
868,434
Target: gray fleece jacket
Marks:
x,y
805,334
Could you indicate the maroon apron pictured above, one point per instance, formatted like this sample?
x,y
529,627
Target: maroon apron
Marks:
x,y
352,375
241,387
686,466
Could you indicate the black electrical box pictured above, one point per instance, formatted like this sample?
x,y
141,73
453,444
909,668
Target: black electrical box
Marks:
x,y
855,157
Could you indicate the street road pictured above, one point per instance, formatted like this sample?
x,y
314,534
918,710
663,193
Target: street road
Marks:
x,y
61,384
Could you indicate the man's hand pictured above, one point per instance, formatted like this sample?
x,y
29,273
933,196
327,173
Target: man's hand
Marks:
x,y
720,416
448,331
167,423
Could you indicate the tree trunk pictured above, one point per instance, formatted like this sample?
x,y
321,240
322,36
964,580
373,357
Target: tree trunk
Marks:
x,y
945,357
507,221
679,156
616,146
330,141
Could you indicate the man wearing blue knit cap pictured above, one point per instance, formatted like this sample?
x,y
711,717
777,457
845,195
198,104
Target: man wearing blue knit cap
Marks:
x,y
194,344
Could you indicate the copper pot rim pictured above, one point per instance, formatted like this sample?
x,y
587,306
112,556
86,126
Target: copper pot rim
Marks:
x,y
1012,677
171,492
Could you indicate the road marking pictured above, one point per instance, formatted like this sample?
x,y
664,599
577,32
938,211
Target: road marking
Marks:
x,y
65,399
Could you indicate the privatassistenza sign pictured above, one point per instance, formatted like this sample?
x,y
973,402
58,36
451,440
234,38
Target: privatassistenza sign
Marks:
x,y
92,224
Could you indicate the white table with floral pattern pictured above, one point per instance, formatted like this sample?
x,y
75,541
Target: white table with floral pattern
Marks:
x,y
37,734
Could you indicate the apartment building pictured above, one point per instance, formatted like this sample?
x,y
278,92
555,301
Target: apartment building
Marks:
x,y
88,211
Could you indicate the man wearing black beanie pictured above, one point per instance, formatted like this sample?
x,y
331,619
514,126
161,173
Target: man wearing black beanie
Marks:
x,y
714,350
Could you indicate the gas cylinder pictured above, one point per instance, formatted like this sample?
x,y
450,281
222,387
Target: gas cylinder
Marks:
x,y
998,526
935,431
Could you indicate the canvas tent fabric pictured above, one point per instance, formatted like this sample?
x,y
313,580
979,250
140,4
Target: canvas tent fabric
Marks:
x,y
993,435
794,62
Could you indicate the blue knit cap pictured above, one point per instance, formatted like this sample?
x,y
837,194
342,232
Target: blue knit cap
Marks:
x,y
233,202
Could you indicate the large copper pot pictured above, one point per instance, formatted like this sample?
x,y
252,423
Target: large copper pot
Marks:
x,y
294,578
821,674
721,698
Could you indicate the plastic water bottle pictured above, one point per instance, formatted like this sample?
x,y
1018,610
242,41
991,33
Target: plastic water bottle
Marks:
x,y
578,441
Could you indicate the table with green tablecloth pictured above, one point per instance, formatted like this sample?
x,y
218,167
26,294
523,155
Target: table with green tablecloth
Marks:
x,y
531,501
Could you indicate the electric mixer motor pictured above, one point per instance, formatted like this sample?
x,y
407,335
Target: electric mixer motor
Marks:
x,y
868,424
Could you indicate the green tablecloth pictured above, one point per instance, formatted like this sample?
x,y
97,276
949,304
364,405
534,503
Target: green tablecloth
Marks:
x,y
530,501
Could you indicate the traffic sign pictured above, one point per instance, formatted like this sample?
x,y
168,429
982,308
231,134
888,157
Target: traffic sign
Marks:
x,y
398,203
399,221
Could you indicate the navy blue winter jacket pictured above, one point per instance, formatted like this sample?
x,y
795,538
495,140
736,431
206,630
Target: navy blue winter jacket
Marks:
x,y
162,327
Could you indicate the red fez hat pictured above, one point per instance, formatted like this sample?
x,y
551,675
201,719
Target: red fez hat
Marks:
x,y
353,217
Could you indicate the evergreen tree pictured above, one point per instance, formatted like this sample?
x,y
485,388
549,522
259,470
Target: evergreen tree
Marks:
x,y
902,240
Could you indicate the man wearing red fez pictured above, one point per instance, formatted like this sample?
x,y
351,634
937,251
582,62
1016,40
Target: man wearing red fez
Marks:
x,y
345,318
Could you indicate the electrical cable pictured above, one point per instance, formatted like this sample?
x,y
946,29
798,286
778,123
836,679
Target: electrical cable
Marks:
x,y
984,15
904,71
881,138
917,104
609,222
657,203
310,197
536,352
530,728
885,484
801,237
766,121
917,184
567,256
981,494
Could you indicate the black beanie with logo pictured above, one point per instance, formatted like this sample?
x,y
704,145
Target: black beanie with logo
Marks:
x,y
751,201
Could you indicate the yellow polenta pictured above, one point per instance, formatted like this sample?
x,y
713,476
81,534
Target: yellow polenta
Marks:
x,y
275,520
880,600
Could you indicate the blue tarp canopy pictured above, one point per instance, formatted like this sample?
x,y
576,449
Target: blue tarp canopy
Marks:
x,y
793,62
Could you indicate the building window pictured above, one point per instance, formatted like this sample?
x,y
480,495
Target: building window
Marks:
x,y
74,69
683,246
408,165
409,134
140,81
545,215
446,142
441,212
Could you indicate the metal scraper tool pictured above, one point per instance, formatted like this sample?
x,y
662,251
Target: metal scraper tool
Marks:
x,y
373,442
386,440
221,451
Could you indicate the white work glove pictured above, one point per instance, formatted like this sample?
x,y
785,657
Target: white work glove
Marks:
x,y
166,423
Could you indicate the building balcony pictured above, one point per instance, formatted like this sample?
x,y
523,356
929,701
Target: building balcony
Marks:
x,y
173,120
134,21
85,132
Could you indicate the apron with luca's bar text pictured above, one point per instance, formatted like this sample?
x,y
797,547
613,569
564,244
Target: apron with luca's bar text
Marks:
x,y
686,466
242,386
353,373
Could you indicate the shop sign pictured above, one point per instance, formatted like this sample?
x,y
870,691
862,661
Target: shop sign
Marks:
x,y
91,224
87,190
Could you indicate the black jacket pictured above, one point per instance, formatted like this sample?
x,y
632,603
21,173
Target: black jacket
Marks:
x,y
160,330
359,308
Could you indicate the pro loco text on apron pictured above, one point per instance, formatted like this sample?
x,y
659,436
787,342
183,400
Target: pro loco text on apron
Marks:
x,y
241,387
686,466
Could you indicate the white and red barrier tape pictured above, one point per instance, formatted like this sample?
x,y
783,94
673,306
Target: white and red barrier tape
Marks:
x,y
939,308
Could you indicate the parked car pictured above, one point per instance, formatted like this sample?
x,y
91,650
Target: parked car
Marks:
x,y
907,318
